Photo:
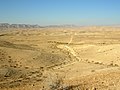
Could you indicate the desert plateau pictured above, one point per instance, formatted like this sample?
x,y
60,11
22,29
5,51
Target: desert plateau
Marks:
x,y
60,58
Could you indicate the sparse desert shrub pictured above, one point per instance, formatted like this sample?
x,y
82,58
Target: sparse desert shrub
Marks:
x,y
9,56
53,82
89,62
71,87
57,85
111,64
116,65
92,70
96,62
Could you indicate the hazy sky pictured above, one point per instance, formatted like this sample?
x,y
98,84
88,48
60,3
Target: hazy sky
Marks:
x,y
49,12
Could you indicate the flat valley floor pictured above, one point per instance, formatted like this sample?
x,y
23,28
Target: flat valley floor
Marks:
x,y
76,58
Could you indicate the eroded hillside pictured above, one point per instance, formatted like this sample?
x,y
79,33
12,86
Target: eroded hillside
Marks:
x,y
85,58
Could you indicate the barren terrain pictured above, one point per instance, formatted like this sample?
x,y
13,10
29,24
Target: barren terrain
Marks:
x,y
76,58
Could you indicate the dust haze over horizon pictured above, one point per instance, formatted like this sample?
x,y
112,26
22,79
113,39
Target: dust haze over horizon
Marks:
x,y
57,12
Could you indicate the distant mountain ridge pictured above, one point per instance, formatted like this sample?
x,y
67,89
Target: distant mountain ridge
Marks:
x,y
7,25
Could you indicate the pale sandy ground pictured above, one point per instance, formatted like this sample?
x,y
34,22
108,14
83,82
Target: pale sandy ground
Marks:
x,y
81,58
